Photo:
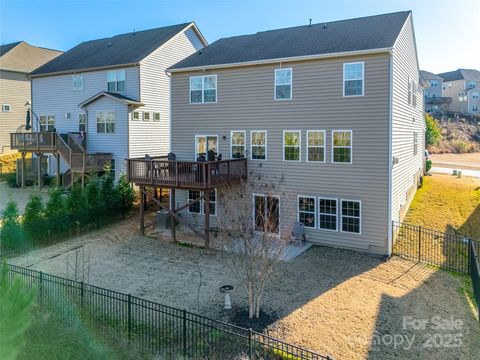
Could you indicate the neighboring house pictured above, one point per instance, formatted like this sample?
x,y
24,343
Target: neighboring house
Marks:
x,y
433,92
17,60
463,86
110,96
335,109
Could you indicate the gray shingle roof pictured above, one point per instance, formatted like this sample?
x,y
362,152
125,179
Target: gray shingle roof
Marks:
x,y
427,75
373,32
116,50
119,97
460,74
7,47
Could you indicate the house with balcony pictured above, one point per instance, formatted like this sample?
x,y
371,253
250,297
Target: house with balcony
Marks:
x,y
106,100
16,61
463,86
334,109
433,93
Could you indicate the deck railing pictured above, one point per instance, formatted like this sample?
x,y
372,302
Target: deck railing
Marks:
x,y
28,141
186,174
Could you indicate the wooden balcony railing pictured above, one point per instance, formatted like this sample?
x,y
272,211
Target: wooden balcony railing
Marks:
x,y
27,141
186,174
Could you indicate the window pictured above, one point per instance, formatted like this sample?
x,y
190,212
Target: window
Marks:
x,y
433,83
409,90
291,145
353,79
6,108
327,214
82,123
47,123
474,107
237,144
475,95
258,145
342,146
136,115
77,82
471,84
203,89
205,144
146,116
283,84
106,122
199,207
414,94
156,116
307,211
351,214
266,213
116,80
415,143
316,145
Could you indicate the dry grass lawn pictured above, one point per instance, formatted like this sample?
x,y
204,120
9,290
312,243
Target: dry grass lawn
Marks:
x,y
447,203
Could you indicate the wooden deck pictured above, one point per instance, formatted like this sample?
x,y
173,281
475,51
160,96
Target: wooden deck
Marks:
x,y
33,141
160,172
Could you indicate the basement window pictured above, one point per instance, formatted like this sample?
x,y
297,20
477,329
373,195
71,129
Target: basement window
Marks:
x,y
6,108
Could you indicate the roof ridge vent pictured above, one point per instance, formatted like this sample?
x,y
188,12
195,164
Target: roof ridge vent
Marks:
x,y
325,25
109,44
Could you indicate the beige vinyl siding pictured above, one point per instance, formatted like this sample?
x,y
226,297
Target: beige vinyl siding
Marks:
x,y
406,119
15,91
151,137
245,101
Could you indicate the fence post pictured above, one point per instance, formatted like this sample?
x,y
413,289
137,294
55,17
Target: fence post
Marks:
x,y
81,294
129,317
250,349
41,288
419,243
184,333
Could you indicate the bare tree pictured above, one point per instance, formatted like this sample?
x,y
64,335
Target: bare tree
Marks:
x,y
249,227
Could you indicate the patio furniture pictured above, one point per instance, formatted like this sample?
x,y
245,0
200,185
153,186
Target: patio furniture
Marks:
x,y
211,155
298,233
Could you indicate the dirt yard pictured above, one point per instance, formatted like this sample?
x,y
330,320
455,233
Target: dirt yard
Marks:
x,y
336,302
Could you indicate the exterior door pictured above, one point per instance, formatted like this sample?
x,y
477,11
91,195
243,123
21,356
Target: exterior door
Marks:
x,y
204,143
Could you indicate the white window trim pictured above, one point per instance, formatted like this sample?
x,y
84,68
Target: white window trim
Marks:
x,y
202,203
116,81
351,147
319,213
275,85
79,75
279,213
244,142
46,125
341,217
84,121
266,145
203,89
9,108
315,209
363,78
159,116
115,123
139,115
299,146
324,147
195,145
149,116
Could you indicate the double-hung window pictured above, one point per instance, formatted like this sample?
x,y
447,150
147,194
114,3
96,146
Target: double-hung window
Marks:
x,y
146,116
82,123
156,116
283,84
116,80
307,211
200,206
327,214
415,143
237,144
292,145
266,213
105,122
203,89
258,145
316,145
351,216
342,146
472,84
77,80
353,79
136,115
47,123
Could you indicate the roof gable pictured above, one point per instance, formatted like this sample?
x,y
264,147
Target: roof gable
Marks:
x,y
427,75
7,47
368,33
124,49
23,57
118,97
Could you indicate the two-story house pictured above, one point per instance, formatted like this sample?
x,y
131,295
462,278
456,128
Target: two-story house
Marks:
x,y
433,92
16,61
463,86
107,99
335,109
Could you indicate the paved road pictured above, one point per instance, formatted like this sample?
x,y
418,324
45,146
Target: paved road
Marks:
x,y
465,172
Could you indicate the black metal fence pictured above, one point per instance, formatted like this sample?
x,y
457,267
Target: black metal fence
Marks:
x,y
475,275
151,327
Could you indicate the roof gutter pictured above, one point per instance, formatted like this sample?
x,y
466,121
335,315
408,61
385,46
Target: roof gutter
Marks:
x,y
84,70
285,59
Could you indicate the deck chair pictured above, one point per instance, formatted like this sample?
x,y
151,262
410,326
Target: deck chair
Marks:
x,y
298,233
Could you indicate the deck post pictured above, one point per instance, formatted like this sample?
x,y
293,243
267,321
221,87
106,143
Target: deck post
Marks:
x,y
207,218
23,170
172,218
57,156
39,169
142,211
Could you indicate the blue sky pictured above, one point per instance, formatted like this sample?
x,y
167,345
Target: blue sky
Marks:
x,y
447,31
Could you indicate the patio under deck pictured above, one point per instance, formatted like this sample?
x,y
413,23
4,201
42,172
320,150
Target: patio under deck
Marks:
x,y
159,172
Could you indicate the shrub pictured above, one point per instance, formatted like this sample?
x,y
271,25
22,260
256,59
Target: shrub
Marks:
x,y
94,199
460,147
33,217
433,132
428,165
11,179
125,194
107,190
11,234
55,212
76,205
